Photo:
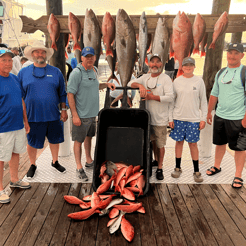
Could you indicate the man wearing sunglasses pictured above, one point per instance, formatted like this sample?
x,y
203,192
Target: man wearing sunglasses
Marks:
x,y
230,118
12,130
157,89
83,98
44,89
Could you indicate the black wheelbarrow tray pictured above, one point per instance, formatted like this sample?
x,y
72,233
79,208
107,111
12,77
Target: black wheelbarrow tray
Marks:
x,y
123,135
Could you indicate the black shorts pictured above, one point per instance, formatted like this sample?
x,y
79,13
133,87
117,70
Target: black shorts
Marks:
x,y
226,131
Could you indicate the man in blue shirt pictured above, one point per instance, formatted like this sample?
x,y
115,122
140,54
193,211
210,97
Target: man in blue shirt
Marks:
x,y
12,116
83,98
230,117
44,89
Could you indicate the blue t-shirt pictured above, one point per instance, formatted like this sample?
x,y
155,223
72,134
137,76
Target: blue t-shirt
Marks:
x,y
44,89
230,96
85,87
11,110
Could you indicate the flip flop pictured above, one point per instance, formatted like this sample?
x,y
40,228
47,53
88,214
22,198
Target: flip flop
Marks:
x,y
212,171
240,182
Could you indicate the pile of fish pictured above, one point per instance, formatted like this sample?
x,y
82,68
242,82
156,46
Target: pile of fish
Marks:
x,y
120,40
116,208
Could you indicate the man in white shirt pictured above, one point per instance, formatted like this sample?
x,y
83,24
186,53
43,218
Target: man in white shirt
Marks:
x,y
16,61
157,89
70,55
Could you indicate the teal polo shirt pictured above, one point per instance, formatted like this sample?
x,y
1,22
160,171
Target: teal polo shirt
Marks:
x,y
85,87
230,96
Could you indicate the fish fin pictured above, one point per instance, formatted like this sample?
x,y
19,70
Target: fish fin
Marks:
x,y
109,52
89,36
196,51
203,53
112,76
77,47
123,42
66,55
53,46
171,54
180,72
117,99
212,46
146,61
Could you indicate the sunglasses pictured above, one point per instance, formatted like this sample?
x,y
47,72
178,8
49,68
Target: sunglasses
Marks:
x,y
229,82
151,87
5,51
39,76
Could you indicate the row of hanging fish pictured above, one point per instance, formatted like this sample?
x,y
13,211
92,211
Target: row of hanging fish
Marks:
x,y
116,208
120,39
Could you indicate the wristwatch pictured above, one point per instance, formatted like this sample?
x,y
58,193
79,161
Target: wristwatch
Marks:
x,y
63,109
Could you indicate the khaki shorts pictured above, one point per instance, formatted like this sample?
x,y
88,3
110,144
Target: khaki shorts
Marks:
x,y
159,134
12,142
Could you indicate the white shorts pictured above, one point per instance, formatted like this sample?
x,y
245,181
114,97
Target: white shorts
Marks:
x,y
12,142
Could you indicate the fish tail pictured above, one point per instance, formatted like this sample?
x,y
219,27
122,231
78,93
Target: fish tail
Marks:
x,y
171,54
180,72
112,76
109,52
203,53
53,46
212,46
77,47
146,61
196,51
66,55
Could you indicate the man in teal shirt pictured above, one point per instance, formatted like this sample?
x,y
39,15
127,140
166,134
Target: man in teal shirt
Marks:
x,y
230,118
83,98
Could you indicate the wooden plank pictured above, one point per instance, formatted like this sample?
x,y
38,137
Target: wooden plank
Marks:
x,y
236,198
242,193
27,216
232,210
214,223
43,224
10,222
158,219
237,23
200,222
223,216
76,227
61,230
189,230
174,227
103,235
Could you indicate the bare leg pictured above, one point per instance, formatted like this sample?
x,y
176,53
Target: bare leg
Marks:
x,y
77,154
179,149
13,167
194,151
32,153
1,175
87,146
239,161
161,157
155,150
54,148
219,154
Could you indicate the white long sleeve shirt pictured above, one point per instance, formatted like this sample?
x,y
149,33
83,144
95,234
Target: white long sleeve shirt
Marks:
x,y
189,99
163,87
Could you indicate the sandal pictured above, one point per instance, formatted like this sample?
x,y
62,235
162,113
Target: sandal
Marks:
x,y
212,171
240,182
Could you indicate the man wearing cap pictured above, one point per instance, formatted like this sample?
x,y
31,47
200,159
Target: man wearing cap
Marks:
x,y
12,129
184,115
44,89
83,98
157,89
230,118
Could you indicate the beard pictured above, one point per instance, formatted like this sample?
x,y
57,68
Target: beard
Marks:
x,y
158,70
39,60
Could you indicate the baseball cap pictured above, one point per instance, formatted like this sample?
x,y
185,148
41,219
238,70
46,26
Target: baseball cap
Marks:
x,y
155,55
187,60
88,51
4,51
236,46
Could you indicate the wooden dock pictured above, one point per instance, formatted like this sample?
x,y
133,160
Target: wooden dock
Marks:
x,y
175,215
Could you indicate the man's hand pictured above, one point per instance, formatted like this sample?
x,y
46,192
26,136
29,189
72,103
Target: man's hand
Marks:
x,y
243,123
111,86
202,125
171,124
27,127
76,121
63,115
209,118
143,91
148,96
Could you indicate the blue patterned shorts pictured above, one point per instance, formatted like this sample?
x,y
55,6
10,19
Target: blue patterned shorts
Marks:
x,y
185,130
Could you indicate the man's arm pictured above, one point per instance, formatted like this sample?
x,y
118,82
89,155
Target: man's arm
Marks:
x,y
71,102
26,124
211,105
142,89
105,85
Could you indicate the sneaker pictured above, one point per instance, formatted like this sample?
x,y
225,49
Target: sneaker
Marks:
x,y
176,173
154,163
31,172
81,174
58,167
198,177
89,165
159,174
20,184
4,198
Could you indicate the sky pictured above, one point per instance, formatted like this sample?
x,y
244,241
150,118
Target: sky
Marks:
x,y
36,9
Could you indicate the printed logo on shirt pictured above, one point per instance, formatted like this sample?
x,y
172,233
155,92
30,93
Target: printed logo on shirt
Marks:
x,y
194,88
49,75
158,85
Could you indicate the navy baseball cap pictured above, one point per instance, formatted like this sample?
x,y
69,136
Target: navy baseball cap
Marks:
x,y
236,46
88,51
